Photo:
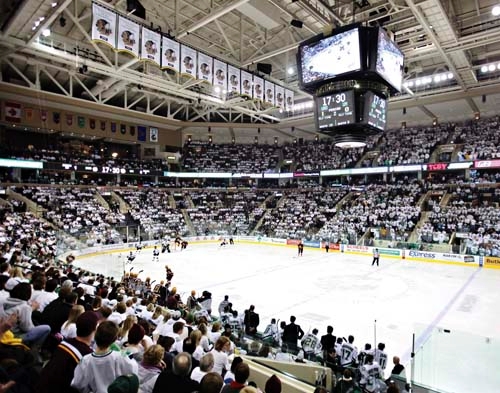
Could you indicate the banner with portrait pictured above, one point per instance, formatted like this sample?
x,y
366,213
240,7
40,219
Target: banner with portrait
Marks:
x,y
258,88
170,54
279,95
103,25
188,61
128,36
233,79
151,46
205,70
269,93
246,83
220,74
289,100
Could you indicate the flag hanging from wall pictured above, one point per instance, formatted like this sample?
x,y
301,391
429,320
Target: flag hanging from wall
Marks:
x,y
29,113
103,125
13,112
56,117
69,120
81,121
113,127
141,133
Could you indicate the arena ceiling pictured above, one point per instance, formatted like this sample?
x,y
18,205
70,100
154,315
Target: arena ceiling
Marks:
x,y
456,37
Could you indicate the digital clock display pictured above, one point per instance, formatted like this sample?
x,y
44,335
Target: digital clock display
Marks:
x,y
335,109
375,110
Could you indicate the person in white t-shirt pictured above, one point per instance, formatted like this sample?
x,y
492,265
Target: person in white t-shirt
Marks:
x,y
206,366
68,329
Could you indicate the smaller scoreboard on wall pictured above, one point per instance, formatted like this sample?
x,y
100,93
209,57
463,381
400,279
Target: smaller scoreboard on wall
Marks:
x,y
351,73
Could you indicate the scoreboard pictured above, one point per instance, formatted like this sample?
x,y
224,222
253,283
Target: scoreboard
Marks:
x,y
335,110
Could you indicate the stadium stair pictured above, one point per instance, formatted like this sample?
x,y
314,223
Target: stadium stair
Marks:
x,y
101,200
424,217
188,221
124,206
171,201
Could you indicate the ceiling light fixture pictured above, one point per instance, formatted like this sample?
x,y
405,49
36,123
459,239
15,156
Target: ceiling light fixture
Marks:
x,y
495,11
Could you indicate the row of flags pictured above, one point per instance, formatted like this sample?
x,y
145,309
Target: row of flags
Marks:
x,y
13,112
125,35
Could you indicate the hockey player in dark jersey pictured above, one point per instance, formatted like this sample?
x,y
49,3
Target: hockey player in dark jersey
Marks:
x,y
169,273
184,245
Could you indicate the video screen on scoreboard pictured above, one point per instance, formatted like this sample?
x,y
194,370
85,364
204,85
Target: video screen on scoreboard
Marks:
x,y
375,110
330,57
390,60
335,110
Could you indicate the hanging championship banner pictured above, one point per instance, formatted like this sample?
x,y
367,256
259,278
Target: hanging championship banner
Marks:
x,y
269,94
153,134
103,25
188,61
171,54
258,88
220,73
205,70
288,100
279,94
128,36
233,78
246,83
150,49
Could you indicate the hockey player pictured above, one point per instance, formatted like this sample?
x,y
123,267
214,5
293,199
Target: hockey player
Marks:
x,y
380,356
376,256
300,248
169,273
271,333
184,245
231,241
349,352
362,354
223,243
371,376
130,257
138,247
235,322
156,255
223,304
165,246
311,345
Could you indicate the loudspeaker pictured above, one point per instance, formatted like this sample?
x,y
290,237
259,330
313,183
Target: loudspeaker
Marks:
x,y
136,8
265,68
297,23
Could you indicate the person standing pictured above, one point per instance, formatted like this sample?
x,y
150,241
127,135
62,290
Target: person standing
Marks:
x,y
292,333
300,247
251,321
327,247
376,256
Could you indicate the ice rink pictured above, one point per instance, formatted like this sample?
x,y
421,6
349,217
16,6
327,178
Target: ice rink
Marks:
x,y
393,301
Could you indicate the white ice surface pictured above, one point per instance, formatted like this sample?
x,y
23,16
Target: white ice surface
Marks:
x,y
344,291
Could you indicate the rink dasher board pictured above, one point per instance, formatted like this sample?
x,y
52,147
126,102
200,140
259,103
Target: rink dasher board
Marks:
x,y
401,254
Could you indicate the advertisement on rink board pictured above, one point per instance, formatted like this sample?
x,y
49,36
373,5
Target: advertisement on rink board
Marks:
x,y
313,244
292,242
354,248
492,262
333,246
389,251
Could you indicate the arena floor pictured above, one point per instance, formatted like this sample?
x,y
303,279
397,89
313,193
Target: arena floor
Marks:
x,y
394,301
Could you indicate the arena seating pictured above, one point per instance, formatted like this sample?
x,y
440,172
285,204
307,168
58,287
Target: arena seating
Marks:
x,y
151,209
226,213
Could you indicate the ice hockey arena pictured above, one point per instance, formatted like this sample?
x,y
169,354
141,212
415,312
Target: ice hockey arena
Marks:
x,y
257,196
